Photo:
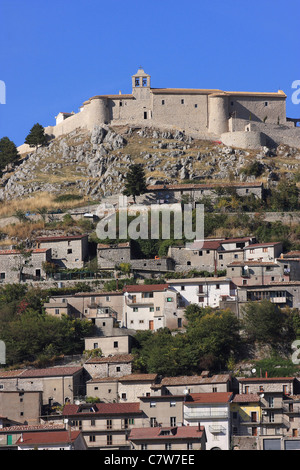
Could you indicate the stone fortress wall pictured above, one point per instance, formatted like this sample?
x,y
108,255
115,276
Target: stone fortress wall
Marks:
x,y
241,119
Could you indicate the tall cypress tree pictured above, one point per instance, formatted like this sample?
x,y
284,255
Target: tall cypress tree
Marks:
x,y
135,183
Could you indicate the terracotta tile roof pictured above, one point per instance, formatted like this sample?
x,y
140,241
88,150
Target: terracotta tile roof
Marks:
x,y
195,379
178,187
214,397
246,398
146,288
47,372
266,379
32,428
159,433
252,263
60,238
258,245
116,358
53,437
16,252
103,409
187,91
138,378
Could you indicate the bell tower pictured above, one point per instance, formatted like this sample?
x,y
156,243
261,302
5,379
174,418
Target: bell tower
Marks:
x,y
141,85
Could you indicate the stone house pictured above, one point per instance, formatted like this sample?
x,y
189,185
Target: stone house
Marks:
x,y
194,192
150,307
111,366
12,432
128,388
171,438
66,251
257,273
90,305
111,256
283,294
211,410
16,266
105,426
205,292
21,406
210,255
58,385
181,385
109,345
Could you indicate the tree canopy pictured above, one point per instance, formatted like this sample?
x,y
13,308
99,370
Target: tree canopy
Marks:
x,y
8,152
36,136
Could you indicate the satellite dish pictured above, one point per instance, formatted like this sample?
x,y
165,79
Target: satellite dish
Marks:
x,y
186,392
262,395
66,421
246,267
253,371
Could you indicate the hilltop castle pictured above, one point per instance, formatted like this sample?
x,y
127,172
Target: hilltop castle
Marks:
x,y
241,119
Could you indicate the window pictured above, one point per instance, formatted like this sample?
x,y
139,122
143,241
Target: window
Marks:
x,y
120,104
189,446
151,309
196,106
144,81
162,102
157,309
92,438
124,396
95,345
220,256
168,446
147,295
57,311
118,369
137,82
182,101
107,298
169,299
217,286
144,447
153,422
172,421
182,288
116,344
145,114
109,439
172,403
93,422
266,103
2,275
108,424
69,251
200,253
152,404
135,309
215,389
200,299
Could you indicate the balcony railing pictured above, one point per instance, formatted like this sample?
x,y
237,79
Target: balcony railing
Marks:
x,y
206,415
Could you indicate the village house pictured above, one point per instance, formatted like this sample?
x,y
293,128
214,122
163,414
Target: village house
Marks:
x,y
66,251
211,255
21,406
263,251
205,292
89,305
104,426
112,256
58,385
172,438
109,345
277,428
162,410
16,265
245,418
150,307
194,384
51,440
112,366
254,273
12,432
211,410
194,192
123,389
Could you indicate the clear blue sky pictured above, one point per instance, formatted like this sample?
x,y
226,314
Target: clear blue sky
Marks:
x,y
56,54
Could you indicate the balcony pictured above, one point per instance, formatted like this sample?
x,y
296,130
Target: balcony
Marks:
x,y
206,415
216,429
276,420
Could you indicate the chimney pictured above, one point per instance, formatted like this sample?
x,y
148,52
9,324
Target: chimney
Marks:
x,y
266,374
